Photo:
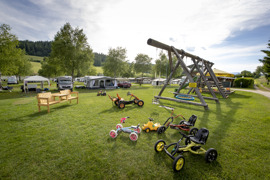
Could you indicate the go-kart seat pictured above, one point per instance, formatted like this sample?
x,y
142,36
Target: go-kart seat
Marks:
x,y
201,136
191,120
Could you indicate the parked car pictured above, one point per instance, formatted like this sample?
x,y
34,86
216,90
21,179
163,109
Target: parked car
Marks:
x,y
124,84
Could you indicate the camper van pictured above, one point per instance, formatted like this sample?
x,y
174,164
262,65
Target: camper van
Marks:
x,y
64,82
12,80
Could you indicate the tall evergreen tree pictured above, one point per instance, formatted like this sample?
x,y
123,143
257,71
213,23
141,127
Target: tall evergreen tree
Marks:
x,y
266,62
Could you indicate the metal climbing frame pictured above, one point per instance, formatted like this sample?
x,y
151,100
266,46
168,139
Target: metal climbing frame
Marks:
x,y
180,54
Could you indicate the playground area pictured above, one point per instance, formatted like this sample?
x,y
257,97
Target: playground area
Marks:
x,y
73,141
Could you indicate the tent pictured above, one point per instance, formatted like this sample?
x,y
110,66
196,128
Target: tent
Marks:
x,y
97,82
158,82
35,79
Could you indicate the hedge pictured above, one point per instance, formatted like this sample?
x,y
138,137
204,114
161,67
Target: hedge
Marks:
x,y
244,82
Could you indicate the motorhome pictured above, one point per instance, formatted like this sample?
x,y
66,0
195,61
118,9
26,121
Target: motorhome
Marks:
x,y
12,80
64,82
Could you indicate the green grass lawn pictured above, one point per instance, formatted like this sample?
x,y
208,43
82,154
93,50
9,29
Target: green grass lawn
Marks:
x,y
73,142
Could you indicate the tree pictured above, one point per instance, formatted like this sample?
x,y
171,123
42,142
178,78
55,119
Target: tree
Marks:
x,y
162,66
142,64
258,72
246,73
115,62
71,52
50,68
128,70
24,66
11,57
266,62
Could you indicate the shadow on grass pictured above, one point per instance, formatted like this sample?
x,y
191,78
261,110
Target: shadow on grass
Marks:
x,y
114,108
42,112
123,137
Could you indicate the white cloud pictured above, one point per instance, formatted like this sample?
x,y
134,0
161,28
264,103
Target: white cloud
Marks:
x,y
189,25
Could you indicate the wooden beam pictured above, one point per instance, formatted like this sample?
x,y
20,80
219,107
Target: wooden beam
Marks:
x,y
160,45
206,82
188,75
169,78
204,97
170,60
183,101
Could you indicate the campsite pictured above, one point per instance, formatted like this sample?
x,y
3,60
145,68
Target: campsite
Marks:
x,y
72,141
134,90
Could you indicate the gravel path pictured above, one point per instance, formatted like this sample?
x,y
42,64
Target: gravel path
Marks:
x,y
258,91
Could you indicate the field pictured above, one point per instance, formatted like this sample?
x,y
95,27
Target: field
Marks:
x,y
35,65
99,70
73,142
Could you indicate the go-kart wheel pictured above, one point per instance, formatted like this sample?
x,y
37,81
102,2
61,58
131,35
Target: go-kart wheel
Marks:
x,y
147,130
159,146
181,122
113,133
193,131
187,141
161,129
116,102
121,105
178,163
211,155
140,103
138,130
133,136
119,126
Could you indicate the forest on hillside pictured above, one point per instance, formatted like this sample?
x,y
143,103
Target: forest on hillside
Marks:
x,y
44,48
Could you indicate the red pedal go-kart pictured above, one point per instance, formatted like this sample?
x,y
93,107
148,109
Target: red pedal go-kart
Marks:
x,y
193,145
121,103
183,125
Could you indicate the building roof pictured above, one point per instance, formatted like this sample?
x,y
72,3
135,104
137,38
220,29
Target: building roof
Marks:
x,y
220,73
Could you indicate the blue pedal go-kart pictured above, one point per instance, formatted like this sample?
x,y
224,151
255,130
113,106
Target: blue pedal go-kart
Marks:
x,y
132,130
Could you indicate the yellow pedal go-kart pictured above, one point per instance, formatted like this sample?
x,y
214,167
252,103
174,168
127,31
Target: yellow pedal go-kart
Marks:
x,y
193,145
150,126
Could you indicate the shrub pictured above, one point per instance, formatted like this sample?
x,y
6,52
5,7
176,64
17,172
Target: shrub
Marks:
x,y
244,82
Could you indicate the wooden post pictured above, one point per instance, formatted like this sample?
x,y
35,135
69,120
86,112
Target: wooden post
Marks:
x,y
204,78
190,78
168,80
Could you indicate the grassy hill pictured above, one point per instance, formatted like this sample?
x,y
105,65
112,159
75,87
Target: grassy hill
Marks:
x,y
99,70
35,61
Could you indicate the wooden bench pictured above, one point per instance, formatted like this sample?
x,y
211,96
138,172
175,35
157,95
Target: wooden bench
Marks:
x,y
48,99
69,96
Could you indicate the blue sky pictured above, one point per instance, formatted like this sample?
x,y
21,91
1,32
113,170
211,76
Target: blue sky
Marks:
x,y
229,33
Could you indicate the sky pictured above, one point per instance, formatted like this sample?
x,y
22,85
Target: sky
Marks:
x,y
230,33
